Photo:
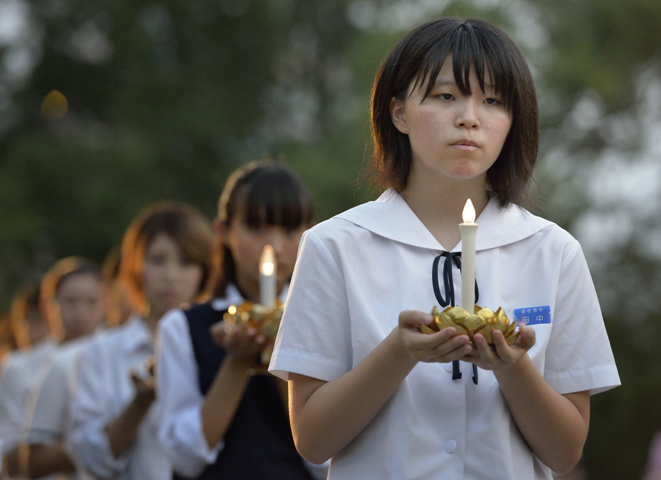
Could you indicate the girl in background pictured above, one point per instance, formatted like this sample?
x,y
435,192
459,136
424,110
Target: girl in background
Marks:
x,y
166,262
73,300
21,370
218,421
454,117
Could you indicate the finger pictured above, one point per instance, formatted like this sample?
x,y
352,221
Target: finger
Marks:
x,y
486,353
454,347
413,318
503,350
527,336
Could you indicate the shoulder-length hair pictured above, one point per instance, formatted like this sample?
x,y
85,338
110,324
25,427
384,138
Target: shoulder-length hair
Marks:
x,y
185,225
261,193
416,61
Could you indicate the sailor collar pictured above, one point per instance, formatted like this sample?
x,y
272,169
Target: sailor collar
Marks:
x,y
391,217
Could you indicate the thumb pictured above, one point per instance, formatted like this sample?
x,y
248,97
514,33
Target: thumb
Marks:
x,y
413,318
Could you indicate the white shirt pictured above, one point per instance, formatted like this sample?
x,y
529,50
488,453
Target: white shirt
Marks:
x,y
356,272
105,389
21,373
48,405
181,432
178,390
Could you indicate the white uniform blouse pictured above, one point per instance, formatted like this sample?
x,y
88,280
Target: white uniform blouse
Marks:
x,y
48,407
22,371
180,431
105,389
356,272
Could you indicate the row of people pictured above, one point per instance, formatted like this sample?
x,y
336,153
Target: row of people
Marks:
x,y
156,397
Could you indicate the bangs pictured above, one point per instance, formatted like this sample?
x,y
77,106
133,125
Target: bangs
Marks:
x,y
183,224
274,198
470,47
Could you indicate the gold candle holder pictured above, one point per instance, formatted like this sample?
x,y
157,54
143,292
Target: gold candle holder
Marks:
x,y
482,320
266,320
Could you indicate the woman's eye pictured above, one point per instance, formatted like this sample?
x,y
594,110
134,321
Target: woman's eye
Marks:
x,y
493,101
445,96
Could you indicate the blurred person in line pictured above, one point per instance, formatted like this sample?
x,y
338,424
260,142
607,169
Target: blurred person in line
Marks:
x,y
219,421
21,371
7,340
72,297
166,262
118,302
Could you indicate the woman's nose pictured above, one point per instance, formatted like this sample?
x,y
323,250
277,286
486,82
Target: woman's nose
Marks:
x,y
467,116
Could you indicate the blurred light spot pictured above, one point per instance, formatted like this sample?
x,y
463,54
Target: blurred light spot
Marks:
x,y
54,106
362,14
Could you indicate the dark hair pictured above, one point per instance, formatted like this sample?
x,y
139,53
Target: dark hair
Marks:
x,y
184,224
417,59
262,193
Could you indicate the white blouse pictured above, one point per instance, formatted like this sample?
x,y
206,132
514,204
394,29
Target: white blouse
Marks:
x,y
105,389
357,271
22,372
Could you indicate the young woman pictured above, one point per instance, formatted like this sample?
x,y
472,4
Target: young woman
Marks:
x,y
73,301
218,421
454,117
166,262
20,372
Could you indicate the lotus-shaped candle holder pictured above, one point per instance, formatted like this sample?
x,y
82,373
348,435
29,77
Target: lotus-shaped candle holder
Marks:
x,y
482,320
266,320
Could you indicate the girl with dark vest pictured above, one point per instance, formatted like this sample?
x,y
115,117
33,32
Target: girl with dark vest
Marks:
x,y
218,420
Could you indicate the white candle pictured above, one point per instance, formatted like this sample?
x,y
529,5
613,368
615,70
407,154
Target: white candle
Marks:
x,y
267,277
468,234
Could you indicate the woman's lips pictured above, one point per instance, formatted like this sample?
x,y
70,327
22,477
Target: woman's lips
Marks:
x,y
468,145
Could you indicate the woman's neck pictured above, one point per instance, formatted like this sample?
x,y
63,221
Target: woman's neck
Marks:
x,y
439,204
151,319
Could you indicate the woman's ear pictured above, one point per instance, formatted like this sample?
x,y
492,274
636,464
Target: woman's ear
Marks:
x,y
398,115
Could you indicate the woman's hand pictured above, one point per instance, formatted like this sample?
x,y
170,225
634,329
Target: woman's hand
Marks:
x,y
145,388
443,346
241,343
501,355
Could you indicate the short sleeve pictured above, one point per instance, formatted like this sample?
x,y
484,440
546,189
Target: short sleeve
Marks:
x,y
314,338
579,355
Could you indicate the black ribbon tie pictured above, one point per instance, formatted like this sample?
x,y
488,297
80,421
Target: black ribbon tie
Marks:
x,y
449,295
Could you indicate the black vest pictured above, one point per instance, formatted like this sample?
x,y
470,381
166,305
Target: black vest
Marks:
x,y
258,443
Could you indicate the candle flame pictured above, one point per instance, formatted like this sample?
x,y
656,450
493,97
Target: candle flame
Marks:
x,y
469,212
231,310
267,268
267,261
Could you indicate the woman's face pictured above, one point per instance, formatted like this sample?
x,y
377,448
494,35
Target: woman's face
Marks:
x,y
81,305
246,244
452,135
168,279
